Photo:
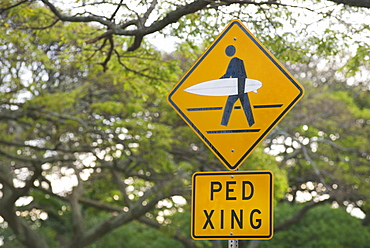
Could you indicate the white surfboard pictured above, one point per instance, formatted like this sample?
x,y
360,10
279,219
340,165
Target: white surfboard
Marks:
x,y
223,87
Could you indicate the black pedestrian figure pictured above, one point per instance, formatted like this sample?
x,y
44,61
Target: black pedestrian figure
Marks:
x,y
236,69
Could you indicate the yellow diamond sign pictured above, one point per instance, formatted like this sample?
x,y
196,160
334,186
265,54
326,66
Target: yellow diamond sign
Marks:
x,y
235,94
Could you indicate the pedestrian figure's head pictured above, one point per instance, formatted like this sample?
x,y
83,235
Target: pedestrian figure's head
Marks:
x,y
230,50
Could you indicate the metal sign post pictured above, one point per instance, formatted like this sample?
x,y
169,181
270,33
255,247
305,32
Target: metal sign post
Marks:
x,y
233,244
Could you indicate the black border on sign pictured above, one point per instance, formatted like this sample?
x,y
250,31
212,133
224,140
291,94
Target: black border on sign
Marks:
x,y
215,237
236,165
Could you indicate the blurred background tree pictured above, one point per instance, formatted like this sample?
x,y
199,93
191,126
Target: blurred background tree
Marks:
x,y
91,155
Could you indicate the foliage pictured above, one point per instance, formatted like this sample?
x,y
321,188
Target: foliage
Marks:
x,y
91,154
325,231
137,235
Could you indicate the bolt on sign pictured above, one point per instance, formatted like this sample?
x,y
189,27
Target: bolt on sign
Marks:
x,y
235,94
232,205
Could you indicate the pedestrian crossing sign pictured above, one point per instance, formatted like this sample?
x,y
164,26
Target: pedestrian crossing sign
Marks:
x,y
235,94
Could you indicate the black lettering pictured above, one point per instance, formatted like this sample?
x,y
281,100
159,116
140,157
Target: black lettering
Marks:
x,y
213,189
259,221
228,190
208,221
235,217
222,219
244,190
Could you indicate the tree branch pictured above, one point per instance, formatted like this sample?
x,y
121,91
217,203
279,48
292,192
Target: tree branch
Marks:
x,y
314,166
187,242
45,27
115,12
135,71
121,186
89,18
141,30
138,209
299,215
2,10
24,232
109,55
77,218
36,160
149,11
305,154
360,152
38,148
353,3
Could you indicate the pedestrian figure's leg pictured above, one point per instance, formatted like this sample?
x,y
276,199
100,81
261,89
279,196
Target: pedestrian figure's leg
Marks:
x,y
228,109
246,105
